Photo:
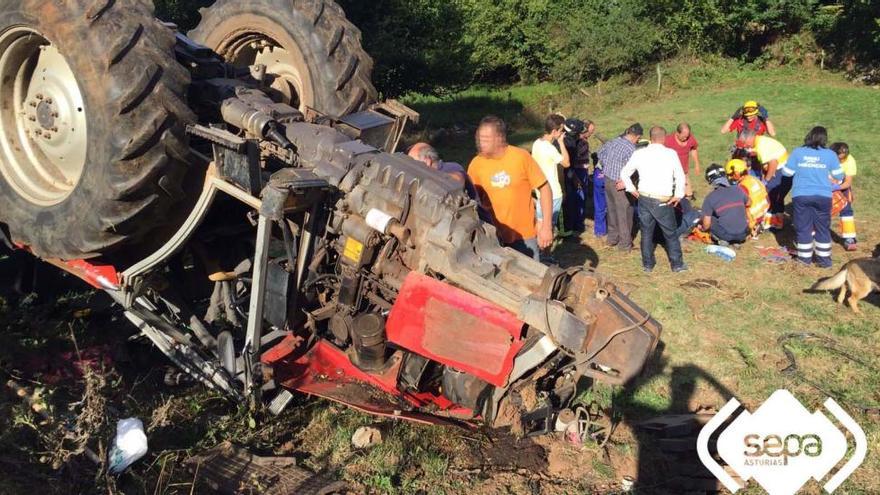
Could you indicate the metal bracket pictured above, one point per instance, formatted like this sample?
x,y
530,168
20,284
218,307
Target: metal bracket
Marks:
x,y
253,368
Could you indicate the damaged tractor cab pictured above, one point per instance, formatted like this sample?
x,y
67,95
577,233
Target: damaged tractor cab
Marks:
x,y
315,260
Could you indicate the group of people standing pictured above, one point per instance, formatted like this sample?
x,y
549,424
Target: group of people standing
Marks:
x,y
524,194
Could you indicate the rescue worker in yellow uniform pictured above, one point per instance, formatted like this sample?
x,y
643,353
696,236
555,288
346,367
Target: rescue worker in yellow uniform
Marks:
x,y
842,197
759,204
772,156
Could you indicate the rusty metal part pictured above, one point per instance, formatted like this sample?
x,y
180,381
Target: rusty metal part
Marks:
x,y
231,470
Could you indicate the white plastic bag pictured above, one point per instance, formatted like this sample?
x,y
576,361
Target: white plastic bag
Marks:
x,y
129,446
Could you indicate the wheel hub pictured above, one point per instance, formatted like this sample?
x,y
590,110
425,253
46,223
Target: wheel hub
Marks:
x,y
46,114
43,140
287,79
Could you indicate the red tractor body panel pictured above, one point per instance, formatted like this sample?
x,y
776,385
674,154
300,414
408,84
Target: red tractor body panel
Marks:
x,y
456,328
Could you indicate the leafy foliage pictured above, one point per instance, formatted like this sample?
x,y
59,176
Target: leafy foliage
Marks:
x,y
438,46
417,44
851,29
185,13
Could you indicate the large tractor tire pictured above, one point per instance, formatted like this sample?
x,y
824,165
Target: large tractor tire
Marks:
x,y
92,126
310,49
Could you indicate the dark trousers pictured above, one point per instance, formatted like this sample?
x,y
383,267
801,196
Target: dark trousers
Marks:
x,y
690,216
847,218
653,213
620,215
720,233
600,205
812,214
574,208
777,189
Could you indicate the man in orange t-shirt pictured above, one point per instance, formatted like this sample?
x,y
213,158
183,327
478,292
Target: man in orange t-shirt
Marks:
x,y
504,177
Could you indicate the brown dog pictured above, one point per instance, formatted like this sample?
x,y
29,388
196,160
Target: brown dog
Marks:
x,y
860,276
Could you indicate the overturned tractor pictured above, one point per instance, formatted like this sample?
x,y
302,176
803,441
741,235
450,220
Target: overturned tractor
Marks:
x,y
237,194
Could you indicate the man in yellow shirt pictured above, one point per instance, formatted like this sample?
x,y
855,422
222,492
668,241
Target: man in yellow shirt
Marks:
x,y
772,155
843,196
504,177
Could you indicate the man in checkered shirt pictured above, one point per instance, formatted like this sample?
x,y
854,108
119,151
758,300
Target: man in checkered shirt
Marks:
x,y
613,156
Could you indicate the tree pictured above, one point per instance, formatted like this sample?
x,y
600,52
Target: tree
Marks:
x,y
417,44
184,13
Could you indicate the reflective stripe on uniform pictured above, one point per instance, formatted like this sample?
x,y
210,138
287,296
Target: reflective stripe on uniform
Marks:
x,y
848,227
758,200
823,249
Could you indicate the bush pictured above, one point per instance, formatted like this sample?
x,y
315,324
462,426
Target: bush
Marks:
x,y
599,38
439,46
850,31
184,13
417,44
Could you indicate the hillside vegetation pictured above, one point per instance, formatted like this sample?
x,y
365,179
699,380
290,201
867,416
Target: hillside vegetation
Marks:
x,y
441,46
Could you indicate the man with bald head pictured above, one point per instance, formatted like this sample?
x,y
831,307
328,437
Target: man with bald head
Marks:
x,y
661,187
428,155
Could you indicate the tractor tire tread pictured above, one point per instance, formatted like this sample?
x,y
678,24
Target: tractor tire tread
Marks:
x,y
342,71
136,163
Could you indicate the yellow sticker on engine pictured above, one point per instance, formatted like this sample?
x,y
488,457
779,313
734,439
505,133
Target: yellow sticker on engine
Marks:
x,y
353,250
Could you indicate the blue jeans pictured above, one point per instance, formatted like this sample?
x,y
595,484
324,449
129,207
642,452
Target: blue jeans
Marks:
x,y
690,216
528,247
812,214
577,183
557,207
600,206
651,214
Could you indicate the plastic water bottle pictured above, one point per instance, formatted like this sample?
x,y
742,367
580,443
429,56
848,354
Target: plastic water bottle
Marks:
x,y
722,252
129,446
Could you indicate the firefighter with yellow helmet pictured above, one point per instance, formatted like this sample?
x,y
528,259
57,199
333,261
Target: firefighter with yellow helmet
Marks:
x,y
737,171
752,117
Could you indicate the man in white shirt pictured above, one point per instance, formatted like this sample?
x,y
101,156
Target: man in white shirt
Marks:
x,y
549,158
661,187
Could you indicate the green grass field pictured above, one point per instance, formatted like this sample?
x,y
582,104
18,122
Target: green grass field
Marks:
x,y
722,341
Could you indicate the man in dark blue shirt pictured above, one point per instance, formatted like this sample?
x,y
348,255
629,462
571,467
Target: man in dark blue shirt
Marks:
x,y
613,156
724,209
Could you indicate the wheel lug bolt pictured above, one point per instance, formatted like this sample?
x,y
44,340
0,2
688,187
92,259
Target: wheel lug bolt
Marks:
x,y
32,119
49,100
54,129
33,104
55,114
38,132
39,96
